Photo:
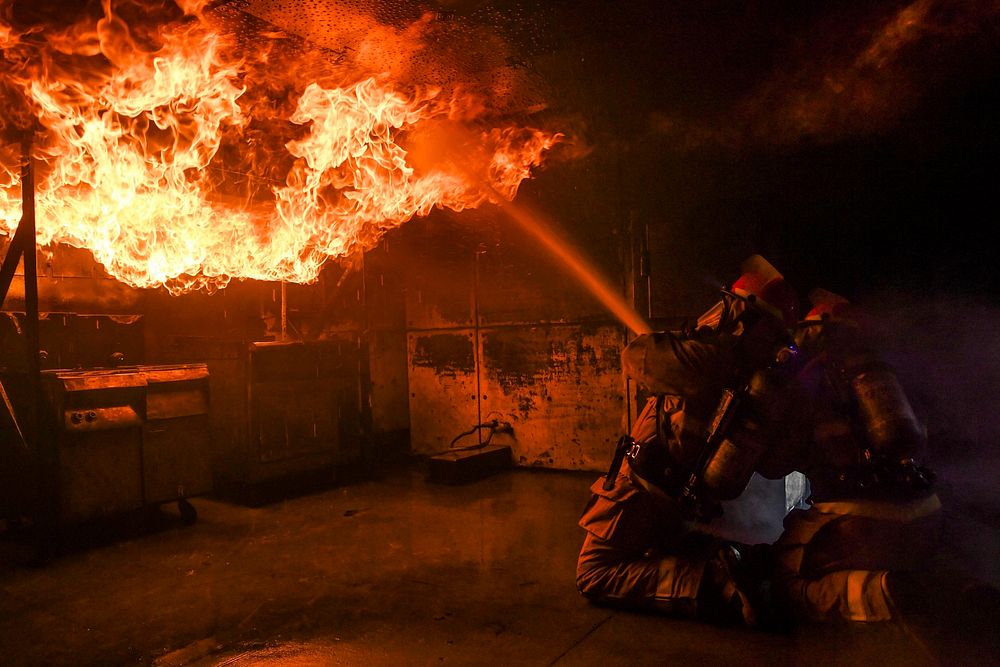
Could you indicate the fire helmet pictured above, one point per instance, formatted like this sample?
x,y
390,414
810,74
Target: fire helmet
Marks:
x,y
760,279
828,306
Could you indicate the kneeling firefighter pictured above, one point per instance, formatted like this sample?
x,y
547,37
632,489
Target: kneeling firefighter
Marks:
x,y
865,549
695,443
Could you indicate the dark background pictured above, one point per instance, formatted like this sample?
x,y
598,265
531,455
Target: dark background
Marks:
x,y
852,145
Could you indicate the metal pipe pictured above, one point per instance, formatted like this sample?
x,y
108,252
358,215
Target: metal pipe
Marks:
x,y
284,311
22,246
30,264
46,457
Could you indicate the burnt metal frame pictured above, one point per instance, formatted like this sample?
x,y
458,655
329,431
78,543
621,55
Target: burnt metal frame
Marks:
x,y
22,245
42,454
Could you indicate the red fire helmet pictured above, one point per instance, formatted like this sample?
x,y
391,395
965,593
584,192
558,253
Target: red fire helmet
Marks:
x,y
827,305
761,279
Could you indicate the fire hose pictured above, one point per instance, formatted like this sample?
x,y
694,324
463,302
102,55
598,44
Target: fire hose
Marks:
x,y
494,425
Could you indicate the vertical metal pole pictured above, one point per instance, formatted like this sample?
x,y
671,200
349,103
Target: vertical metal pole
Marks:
x,y
30,265
480,250
630,262
366,348
645,271
284,312
46,456
640,290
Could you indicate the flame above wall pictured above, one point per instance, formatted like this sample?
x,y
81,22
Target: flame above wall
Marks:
x,y
185,146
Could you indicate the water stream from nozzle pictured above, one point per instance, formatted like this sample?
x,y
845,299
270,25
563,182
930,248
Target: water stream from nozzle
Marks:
x,y
589,276
452,148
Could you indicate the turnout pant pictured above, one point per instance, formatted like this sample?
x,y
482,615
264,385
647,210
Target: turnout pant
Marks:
x,y
638,552
832,559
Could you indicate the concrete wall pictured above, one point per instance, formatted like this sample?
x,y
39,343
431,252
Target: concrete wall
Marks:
x,y
497,328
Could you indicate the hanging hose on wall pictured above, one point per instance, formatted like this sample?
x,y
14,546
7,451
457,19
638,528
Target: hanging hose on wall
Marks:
x,y
494,425
458,465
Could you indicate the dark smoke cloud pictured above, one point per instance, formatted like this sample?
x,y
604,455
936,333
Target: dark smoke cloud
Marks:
x,y
946,350
843,80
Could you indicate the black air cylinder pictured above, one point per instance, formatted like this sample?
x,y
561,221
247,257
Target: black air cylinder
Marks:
x,y
885,412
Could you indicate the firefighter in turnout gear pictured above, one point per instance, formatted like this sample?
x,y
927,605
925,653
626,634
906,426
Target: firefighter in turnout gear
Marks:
x,y
873,514
867,548
695,443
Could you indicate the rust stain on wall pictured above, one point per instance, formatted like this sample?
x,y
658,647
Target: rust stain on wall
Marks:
x,y
447,354
560,387
521,362
518,361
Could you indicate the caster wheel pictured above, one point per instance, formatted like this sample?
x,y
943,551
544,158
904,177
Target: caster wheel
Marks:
x,y
188,513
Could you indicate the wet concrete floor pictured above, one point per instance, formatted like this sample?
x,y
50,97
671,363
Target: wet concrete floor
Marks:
x,y
389,572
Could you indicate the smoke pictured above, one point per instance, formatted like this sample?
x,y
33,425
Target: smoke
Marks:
x,y
845,80
946,352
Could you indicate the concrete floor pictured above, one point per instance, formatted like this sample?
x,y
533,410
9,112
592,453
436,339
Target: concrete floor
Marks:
x,y
389,572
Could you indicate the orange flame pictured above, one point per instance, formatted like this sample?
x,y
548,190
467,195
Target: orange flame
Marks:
x,y
135,126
